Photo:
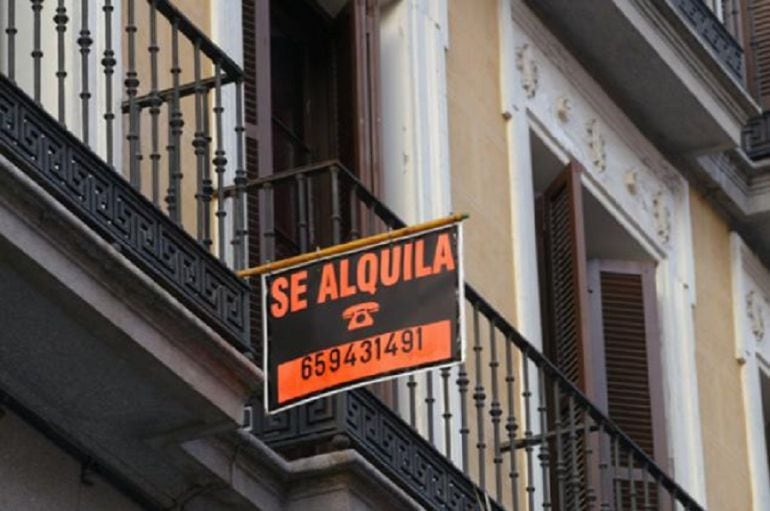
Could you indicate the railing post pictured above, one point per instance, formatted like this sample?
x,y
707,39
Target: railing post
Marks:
x,y
479,397
11,31
411,384
267,215
132,86
108,61
462,387
175,124
355,229
60,19
336,216
239,224
220,161
560,469
544,455
199,143
510,424
526,394
447,414
302,213
495,412
155,104
85,41
605,484
37,52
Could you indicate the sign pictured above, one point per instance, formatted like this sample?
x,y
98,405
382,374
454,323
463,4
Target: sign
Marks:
x,y
363,315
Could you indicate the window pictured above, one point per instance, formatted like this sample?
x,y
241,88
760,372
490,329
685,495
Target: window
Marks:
x,y
311,93
599,308
310,96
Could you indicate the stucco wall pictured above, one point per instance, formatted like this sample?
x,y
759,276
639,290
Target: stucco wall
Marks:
x,y
480,184
722,413
35,475
480,187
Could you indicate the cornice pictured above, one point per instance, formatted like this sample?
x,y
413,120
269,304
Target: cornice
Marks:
x,y
610,114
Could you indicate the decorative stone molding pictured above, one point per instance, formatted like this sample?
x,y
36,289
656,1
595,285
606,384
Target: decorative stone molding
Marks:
x,y
563,108
596,145
631,180
750,289
751,306
527,66
662,215
755,315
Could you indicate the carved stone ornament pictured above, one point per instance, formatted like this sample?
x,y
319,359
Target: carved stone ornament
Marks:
x,y
755,315
662,217
631,180
597,146
563,108
527,66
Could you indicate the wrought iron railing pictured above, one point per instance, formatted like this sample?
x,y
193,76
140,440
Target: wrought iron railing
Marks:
x,y
149,97
714,34
755,137
507,419
84,100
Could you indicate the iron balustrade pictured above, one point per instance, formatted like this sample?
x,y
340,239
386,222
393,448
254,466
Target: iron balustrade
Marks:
x,y
204,98
755,137
507,419
100,105
714,34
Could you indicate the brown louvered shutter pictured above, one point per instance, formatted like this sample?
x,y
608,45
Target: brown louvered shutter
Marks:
x,y
563,259
627,334
625,351
257,110
631,344
756,45
565,318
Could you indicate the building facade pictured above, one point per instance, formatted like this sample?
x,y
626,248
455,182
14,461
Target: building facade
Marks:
x,y
612,156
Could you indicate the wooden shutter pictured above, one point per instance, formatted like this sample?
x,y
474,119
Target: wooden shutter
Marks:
x,y
256,89
563,260
358,50
259,158
628,334
756,45
565,315
627,339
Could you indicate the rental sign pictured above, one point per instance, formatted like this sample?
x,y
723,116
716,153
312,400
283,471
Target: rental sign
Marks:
x,y
381,309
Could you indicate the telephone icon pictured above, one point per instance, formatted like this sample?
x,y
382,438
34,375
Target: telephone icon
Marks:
x,y
360,315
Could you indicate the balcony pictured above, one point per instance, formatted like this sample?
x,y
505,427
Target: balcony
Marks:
x,y
81,165
671,65
125,327
505,430
123,266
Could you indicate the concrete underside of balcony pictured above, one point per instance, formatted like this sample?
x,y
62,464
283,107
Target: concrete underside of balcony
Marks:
x,y
101,359
663,73
658,69
101,354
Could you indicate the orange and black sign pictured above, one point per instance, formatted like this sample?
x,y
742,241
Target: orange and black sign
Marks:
x,y
360,316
